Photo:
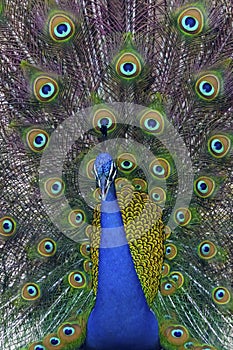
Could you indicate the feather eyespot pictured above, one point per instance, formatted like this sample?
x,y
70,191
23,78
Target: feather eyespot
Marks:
x,y
167,232
52,341
87,265
37,140
54,187
104,121
77,217
47,247
69,332
85,249
178,278
152,122
36,346
120,182
126,162
90,169
30,291
170,251
189,345
219,146
139,184
176,335
182,216
77,279
158,195
208,87
7,226
97,195
45,89
191,21
160,168
167,287
204,186
221,295
61,27
165,270
206,250
128,66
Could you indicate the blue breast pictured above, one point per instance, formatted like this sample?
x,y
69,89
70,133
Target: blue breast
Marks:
x,y
121,318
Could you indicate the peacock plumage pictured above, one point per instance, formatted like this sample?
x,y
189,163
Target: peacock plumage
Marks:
x,y
116,174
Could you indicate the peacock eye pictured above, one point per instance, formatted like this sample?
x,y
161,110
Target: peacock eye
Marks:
x,y
61,28
39,347
191,21
87,265
77,279
47,247
170,251
182,216
30,291
139,184
167,232
178,278
167,288
54,187
120,182
54,341
208,86
160,168
128,66
85,249
204,186
126,162
77,217
206,250
79,311
158,195
36,346
152,122
89,169
37,140
221,295
165,269
177,335
97,195
69,332
126,165
45,89
219,145
189,345
104,119
7,226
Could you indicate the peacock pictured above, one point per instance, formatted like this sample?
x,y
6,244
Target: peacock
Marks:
x,y
116,174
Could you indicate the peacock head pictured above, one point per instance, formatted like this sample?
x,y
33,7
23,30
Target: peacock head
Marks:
x,y
105,172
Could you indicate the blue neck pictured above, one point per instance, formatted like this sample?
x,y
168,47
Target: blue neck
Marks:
x,y
121,318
